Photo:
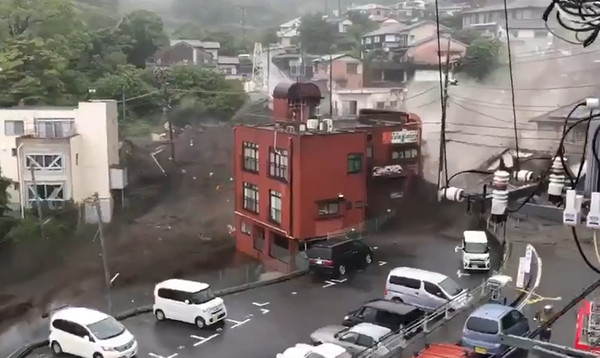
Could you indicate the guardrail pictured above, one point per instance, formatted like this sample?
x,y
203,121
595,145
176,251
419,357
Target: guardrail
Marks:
x,y
396,341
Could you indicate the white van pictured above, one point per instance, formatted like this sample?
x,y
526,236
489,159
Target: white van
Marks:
x,y
425,289
188,301
87,333
475,251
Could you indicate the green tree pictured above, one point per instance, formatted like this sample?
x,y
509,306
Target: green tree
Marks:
x,y
142,34
4,196
269,36
351,40
190,31
466,36
481,58
316,35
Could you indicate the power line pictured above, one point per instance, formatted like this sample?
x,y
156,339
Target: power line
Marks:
x,y
560,57
506,136
590,85
518,105
503,107
480,113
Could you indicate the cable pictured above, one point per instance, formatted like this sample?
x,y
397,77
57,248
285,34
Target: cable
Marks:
x,y
512,85
561,148
583,155
473,171
595,153
579,16
503,107
501,104
591,85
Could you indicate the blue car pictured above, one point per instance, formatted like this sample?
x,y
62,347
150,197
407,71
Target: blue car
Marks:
x,y
482,328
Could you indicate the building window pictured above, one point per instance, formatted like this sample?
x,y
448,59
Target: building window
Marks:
x,y
328,208
245,228
278,163
250,156
405,154
354,163
53,128
12,128
369,152
377,39
275,206
352,68
52,162
368,40
380,105
251,197
51,194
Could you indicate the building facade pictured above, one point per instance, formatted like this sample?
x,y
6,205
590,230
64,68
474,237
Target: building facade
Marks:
x,y
348,102
55,155
301,178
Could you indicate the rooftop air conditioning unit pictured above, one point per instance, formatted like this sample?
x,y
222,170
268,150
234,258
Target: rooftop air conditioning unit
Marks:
x,y
302,128
290,129
312,124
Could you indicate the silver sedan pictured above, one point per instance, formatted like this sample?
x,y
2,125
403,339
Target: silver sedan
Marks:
x,y
356,339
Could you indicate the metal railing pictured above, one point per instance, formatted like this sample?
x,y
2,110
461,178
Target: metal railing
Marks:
x,y
392,344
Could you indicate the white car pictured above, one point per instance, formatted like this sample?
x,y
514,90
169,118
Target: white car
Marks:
x,y
87,333
475,251
325,350
189,302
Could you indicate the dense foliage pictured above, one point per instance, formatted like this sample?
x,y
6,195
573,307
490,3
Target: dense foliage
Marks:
x,y
57,52
481,58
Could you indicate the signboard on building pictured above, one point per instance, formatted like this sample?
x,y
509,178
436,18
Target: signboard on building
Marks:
x,y
401,137
387,171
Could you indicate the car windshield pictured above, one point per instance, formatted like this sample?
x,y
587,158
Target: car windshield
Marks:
x,y
203,296
106,329
450,287
319,252
482,325
476,248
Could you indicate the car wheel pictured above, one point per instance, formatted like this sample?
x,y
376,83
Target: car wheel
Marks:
x,y
397,300
342,270
200,322
56,348
97,355
368,259
160,315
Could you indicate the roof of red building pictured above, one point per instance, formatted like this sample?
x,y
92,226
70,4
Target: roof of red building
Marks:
x,y
296,90
444,350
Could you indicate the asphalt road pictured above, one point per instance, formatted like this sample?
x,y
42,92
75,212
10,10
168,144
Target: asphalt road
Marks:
x,y
266,321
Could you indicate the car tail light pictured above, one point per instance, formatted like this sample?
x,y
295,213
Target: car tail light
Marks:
x,y
311,261
327,263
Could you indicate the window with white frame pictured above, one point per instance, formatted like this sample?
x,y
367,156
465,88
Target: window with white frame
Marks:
x,y
251,197
250,156
53,127
13,128
275,206
50,162
50,194
278,163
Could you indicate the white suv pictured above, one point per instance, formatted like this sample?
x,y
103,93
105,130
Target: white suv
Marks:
x,y
88,333
188,301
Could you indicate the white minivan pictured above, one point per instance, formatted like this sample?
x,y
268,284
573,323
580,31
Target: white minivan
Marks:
x,y
188,301
475,251
424,289
87,333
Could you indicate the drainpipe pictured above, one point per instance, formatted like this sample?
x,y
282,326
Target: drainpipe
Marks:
x,y
292,263
20,179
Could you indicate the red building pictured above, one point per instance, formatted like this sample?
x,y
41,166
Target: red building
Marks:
x,y
300,178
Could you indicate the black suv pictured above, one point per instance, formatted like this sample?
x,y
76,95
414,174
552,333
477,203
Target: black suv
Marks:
x,y
386,313
335,257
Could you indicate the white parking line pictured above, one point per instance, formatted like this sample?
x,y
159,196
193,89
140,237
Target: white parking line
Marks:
x,y
260,304
237,323
157,356
328,284
202,340
381,263
339,281
264,310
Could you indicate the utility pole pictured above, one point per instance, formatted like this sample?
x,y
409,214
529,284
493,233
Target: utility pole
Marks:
x,y
107,283
330,83
123,101
161,77
243,8
268,69
340,8
38,202
443,165
326,7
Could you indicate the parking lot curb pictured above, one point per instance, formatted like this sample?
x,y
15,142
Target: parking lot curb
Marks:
x,y
26,350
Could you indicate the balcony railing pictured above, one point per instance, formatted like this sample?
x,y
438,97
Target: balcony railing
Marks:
x,y
50,130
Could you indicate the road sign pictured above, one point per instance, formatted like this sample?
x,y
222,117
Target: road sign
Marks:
x,y
521,274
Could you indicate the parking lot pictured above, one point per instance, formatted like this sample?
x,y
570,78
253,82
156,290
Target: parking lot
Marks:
x,y
267,320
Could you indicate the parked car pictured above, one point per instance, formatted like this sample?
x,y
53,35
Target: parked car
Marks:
x,y
425,289
336,257
189,302
325,350
385,313
355,339
87,333
488,321
475,250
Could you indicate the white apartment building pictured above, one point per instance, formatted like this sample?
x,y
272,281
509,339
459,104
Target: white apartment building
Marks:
x,y
57,154
348,102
